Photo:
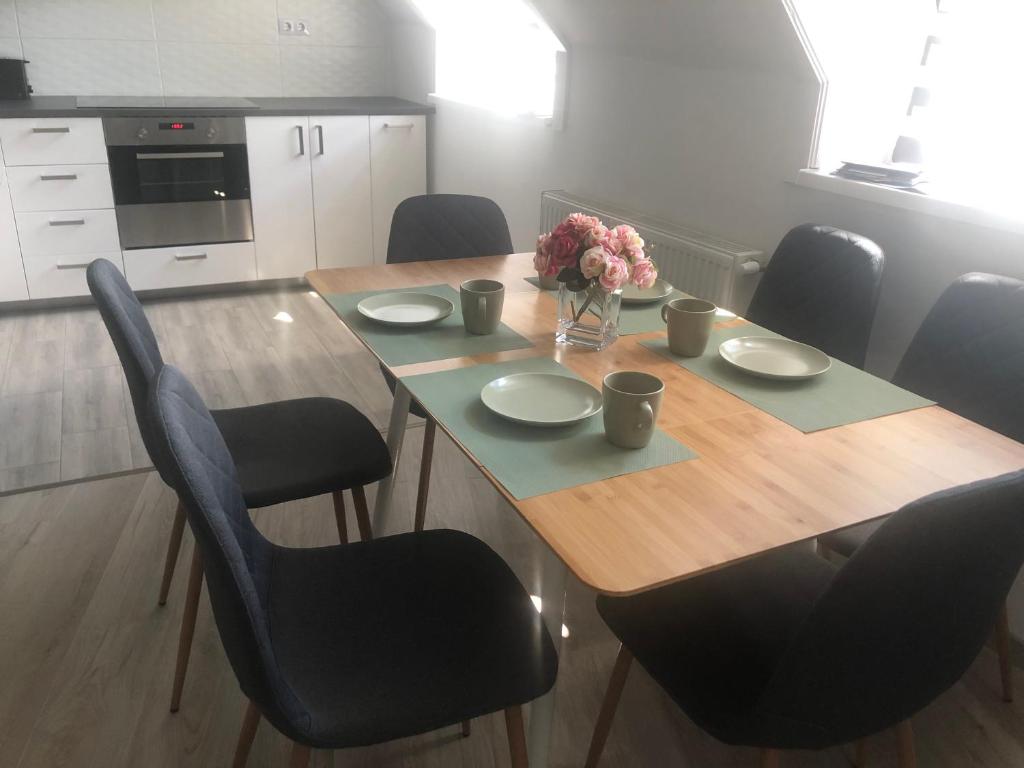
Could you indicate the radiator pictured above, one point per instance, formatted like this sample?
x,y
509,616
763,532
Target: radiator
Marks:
x,y
699,264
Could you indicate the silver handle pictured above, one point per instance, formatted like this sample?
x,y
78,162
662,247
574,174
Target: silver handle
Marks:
x,y
178,155
67,222
58,177
189,256
302,141
61,129
410,126
320,138
73,265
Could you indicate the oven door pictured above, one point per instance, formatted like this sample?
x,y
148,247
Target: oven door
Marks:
x,y
181,194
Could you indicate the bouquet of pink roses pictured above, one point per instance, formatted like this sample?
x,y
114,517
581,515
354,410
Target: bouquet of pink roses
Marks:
x,y
582,252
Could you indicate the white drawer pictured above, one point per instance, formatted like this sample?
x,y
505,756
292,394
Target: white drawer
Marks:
x,y
53,141
149,268
61,232
51,277
60,187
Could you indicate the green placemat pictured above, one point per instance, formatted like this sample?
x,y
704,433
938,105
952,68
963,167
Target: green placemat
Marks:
x,y
530,461
535,282
644,318
842,395
440,341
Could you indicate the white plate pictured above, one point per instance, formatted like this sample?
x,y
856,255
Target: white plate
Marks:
x,y
633,295
405,309
541,399
773,358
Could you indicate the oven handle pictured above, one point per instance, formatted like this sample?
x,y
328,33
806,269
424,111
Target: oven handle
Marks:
x,y
189,256
178,155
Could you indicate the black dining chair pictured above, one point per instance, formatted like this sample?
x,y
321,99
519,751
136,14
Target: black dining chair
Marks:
x,y
787,651
821,288
436,228
968,356
353,644
284,451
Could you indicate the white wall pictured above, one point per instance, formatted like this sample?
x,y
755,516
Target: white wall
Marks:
x,y
199,47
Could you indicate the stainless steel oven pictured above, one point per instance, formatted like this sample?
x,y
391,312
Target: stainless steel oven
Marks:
x,y
179,181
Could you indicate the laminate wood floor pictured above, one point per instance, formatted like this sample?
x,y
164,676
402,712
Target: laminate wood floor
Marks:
x,y
64,407
86,656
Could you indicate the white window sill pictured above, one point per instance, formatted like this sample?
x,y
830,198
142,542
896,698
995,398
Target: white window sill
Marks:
x,y
932,205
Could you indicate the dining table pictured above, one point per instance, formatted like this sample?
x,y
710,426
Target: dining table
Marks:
x,y
756,483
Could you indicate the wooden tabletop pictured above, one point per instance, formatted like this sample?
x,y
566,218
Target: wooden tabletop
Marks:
x,y
757,483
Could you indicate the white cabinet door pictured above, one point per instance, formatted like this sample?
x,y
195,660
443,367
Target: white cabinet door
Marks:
x,y
12,273
282,195
53,141
149,268
398,163
342,201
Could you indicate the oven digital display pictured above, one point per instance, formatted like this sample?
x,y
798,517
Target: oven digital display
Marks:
x,y
177,126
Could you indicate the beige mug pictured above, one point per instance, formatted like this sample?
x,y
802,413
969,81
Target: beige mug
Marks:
x,y
632,400
482,302
689,325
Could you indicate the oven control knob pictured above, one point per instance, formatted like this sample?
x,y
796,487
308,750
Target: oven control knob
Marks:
x,y
211,132
142,133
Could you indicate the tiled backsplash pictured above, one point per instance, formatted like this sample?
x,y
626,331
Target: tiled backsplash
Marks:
x,y
199,47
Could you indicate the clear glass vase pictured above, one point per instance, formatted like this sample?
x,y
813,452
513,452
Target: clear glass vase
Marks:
x,y
588,318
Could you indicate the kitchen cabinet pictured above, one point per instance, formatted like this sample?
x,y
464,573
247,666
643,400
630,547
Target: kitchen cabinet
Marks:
x,y
52,141
150,268
12,272
398,163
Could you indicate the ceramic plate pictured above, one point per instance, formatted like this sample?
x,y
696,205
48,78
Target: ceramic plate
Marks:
x,y
405,309
633,295
541,399
773,358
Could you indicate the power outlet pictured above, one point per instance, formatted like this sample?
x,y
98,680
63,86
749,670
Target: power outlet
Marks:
x,y
293,27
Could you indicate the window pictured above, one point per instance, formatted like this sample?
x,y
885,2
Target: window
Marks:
x,y
496,54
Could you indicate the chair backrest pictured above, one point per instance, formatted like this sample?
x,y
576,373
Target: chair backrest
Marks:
x,y
907,615
438,227
968,354
821,288
133,339
236,557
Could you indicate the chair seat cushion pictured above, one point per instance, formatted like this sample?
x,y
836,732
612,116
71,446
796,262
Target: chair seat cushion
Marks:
x,y
403,635
848,540
713,641
293,449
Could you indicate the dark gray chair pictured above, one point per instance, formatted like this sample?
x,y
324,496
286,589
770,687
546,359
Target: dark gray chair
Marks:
x,y
355,644
284,451
787,651
968,356
436,228
821,288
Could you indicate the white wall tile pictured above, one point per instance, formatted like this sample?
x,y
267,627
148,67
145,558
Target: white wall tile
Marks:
x,y
331,70
337,22
92,19
216,21
220,69
10,48
98,67
8,19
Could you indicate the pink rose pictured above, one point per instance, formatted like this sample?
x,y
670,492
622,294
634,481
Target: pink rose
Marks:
x,y
615,275
581,222
542,262
592,263
563,250
630,239
644,273
596,235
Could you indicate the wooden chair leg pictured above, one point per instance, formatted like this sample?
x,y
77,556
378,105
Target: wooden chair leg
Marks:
x,y
516,737
246,736
1003,649
188,626
339,515
611,701
467,728
362,513
426,459
173,546
770,758
300,756
905,745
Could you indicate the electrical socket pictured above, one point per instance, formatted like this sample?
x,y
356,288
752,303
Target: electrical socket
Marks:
x,y
293,27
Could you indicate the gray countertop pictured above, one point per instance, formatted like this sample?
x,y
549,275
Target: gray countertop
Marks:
x,y
65,106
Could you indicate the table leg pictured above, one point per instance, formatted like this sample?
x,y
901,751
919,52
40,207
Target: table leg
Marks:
x,y
542,711
396,435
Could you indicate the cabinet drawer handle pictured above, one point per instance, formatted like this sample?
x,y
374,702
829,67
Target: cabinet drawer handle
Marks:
x,y
67,222
302,141
320,138
399,126
72,265
189,256
58,177
60,129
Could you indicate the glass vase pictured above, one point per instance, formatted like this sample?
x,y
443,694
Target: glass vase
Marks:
x,y
588,318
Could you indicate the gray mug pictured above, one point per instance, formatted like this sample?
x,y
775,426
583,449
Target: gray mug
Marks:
x,y
632,400
689,325
482,301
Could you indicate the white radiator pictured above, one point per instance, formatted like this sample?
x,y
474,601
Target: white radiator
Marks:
x,y
699,264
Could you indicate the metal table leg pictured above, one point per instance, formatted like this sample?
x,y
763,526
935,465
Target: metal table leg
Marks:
x,y
396,436
542,711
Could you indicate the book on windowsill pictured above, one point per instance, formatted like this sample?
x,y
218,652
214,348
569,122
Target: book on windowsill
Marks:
x,y
900,175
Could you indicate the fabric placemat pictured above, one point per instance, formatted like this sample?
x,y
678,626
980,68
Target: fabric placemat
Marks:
x,y
842,395
535,282
530,461
644,318
440,341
